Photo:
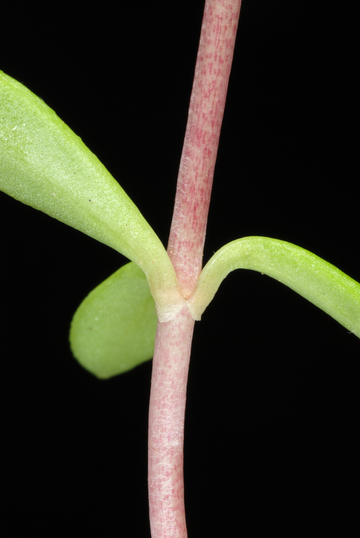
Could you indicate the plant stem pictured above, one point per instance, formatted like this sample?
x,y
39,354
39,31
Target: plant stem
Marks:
x,y
196,172
186,242
166,426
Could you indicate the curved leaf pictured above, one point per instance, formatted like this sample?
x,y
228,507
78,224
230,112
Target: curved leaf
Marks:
x,y
45,165
315,279
114,328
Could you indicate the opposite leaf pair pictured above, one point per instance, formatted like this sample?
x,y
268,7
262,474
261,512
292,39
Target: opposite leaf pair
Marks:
x,y
45,165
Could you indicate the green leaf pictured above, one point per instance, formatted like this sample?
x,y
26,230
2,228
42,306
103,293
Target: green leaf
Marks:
x,y
312,277
45,165
114,328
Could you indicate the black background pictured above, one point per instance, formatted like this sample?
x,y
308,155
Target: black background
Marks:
x,y
272,430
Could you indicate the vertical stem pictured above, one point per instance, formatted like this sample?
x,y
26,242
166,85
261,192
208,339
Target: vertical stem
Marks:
x,y
207,104
166,426
186,241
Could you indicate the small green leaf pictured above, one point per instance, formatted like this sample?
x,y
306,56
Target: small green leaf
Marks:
x,y
45,165
114,328
312,277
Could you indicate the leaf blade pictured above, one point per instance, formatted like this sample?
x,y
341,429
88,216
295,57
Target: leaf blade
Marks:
x,y
313,278
114,328
45,165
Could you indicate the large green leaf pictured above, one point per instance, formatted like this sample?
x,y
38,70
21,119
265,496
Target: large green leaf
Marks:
x,y
45,165
312,277
113,329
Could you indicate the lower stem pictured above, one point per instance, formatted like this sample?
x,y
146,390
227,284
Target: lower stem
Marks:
x,y
166,426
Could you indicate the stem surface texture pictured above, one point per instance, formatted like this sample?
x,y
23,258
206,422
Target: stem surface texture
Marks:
x,y
186,243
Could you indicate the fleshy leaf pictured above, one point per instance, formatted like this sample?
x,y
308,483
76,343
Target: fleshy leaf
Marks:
x,y
312,277
45,165
114,328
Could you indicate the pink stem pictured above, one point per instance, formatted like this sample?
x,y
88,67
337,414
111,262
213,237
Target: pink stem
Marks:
x,y
166,426
207,104
186,242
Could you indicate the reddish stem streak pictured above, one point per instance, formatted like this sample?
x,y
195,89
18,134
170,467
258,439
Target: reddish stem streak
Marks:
x,y
201,142
187,235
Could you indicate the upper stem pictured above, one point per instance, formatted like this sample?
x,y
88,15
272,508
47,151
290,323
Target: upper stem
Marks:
x,y
207,104
186,242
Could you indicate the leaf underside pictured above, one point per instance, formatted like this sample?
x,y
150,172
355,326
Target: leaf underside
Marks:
x,y
114,328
